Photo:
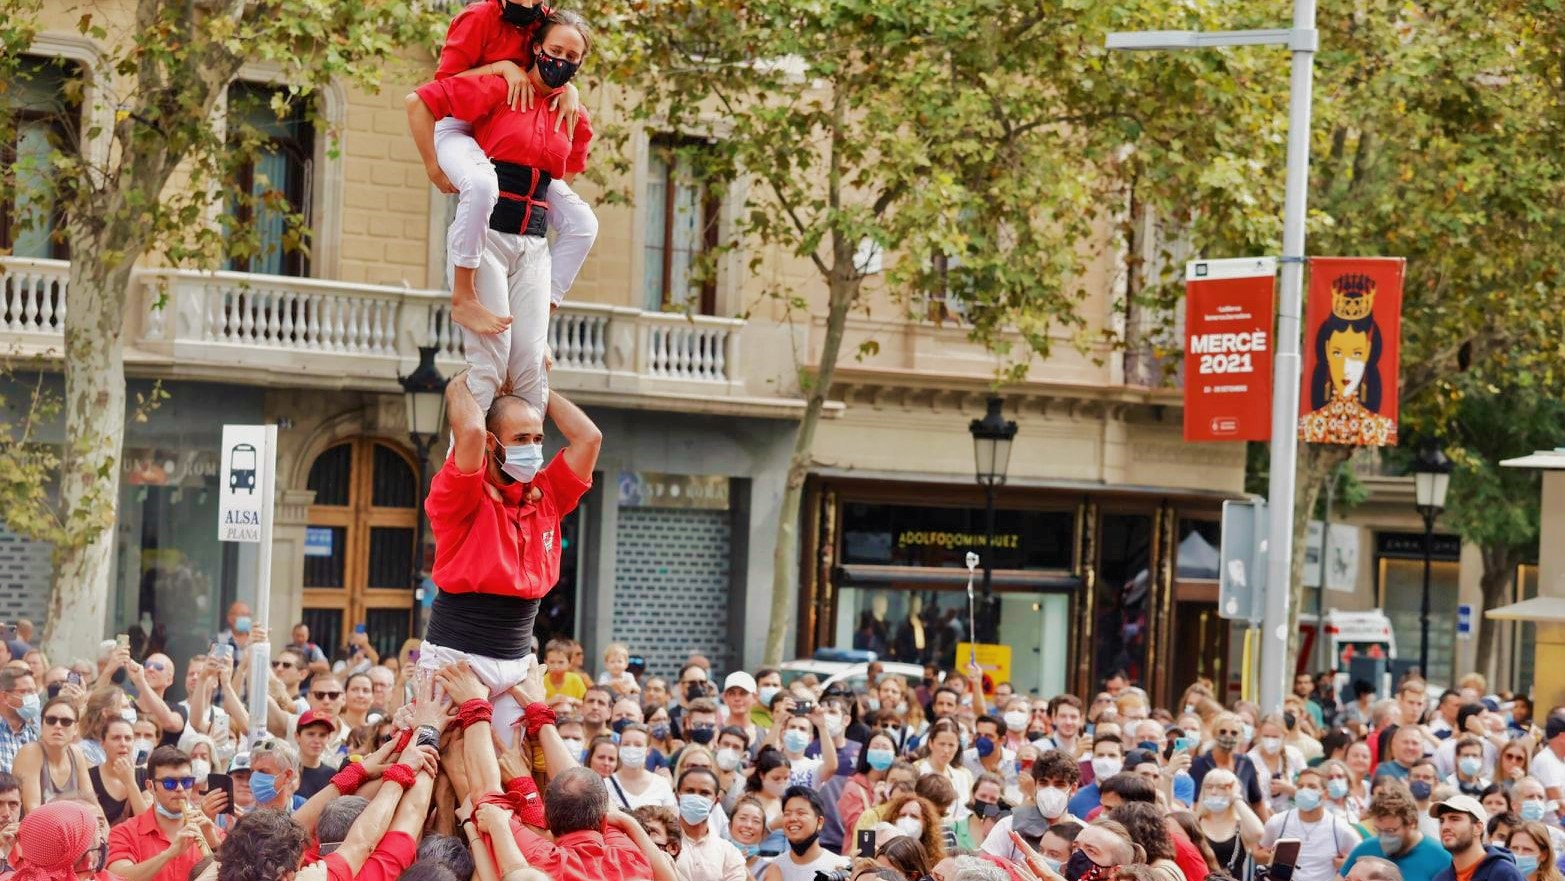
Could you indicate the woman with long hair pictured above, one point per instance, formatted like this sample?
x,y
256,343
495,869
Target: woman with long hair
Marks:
x,y
633,785
860,793
1144,822
919,819
747,832
603,756
901,716
1227,823
942,750
52,764
1341,786
1534,851
1276,763
1184,823
1515,761
768,781
114,781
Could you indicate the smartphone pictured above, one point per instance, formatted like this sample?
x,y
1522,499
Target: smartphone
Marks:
x,y
122,641
225,783
73,678
636,665
803,708
1284,857
414,655
1182,744
866,842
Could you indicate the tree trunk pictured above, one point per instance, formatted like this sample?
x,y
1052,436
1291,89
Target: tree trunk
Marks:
x,y
90,464
785,555
1317,464
1499,568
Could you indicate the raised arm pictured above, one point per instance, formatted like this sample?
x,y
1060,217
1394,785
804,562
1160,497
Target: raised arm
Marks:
x,y
582,437
556,757
376,819
467,424
166,718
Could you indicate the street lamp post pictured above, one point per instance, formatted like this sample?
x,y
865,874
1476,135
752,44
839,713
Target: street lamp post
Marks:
x,y
992,436
424,392
1431,479
1302,40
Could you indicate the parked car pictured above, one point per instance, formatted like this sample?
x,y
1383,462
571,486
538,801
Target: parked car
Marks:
x,y
833,666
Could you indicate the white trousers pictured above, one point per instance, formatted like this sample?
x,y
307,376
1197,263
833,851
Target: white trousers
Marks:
x,y
512,279
575,226
499,675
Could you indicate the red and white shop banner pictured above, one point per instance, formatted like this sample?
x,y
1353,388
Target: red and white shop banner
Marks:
x,y
1228,349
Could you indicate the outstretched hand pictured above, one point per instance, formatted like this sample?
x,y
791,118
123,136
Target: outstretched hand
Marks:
x,y
462,684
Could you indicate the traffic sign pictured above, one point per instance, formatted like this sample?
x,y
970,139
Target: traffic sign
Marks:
x,y
1241,571
1464,621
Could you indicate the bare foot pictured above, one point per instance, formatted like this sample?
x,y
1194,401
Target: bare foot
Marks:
x,y
473,316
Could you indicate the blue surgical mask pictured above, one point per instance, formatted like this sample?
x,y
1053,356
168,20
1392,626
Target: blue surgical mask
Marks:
x,y
1526,864
767,693
694,809
1533,810
879,759
1307,799
984,744
1213,803
748,850
1390,844
1053,864
29,709
1337,788
795,741
263,786
522,462
1470,765
167,814
1421,789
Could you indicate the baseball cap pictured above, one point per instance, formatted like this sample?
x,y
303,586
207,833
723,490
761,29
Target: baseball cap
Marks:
x,y
1464,804
311,717
240,762
740,679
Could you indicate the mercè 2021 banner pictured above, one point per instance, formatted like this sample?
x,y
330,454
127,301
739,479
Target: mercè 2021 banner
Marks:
x,y
1228,349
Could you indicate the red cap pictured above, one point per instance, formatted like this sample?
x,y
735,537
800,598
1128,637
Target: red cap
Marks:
x,y
311,717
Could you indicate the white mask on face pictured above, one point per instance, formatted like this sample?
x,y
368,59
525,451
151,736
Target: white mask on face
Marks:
x,y
912,827
1352,375
522,462
1052,802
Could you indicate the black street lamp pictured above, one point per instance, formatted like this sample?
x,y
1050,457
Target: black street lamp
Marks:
x,y
992,436
424,392
1431,479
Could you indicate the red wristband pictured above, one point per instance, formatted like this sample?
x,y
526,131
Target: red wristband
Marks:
x,y
404,738
474,711
537,716
349,779
401,775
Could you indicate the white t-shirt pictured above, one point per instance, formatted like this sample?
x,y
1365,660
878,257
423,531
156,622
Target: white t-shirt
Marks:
x,y
826,862
1292,763
1548,768
805,772
658,792
1320,842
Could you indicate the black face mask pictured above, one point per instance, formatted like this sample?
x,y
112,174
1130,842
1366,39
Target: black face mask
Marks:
x,y
620,725
1078,865
800,848
555,72
703,735
694,691
521,16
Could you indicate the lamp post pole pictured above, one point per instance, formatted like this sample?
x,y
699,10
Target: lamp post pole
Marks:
x,y
1423,606
992,437
1431,479
424,392
1302,40
987,632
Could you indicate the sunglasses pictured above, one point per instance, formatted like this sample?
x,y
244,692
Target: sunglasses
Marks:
x,y
285,665
326,695
156,665
170,784
62,721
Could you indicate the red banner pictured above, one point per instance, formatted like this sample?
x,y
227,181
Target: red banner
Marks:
x,y
1352,338
1228,349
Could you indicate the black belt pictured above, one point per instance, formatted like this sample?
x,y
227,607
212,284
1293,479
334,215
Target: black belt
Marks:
x,y
524,200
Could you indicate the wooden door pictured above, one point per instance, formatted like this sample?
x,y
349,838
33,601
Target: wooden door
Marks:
x,y
359,564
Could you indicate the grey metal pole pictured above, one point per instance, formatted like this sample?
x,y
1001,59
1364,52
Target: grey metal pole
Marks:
x,y
1285,387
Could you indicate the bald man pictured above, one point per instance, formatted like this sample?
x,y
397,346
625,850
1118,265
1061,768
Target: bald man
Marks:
x,y
152,680
495,511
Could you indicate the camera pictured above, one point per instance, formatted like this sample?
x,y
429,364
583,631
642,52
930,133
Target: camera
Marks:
x,y
836,875
803,708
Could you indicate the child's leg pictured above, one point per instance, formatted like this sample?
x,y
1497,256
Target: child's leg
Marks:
x,y
529,303
575,229
487,352
474,177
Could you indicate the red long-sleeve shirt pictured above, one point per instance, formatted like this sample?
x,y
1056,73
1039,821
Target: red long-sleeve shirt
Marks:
x,y
525,137
479,36
609,855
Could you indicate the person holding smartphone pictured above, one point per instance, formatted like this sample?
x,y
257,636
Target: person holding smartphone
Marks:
x,y
1325,838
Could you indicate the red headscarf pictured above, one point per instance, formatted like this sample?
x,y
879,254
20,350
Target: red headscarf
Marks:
x,y
53,839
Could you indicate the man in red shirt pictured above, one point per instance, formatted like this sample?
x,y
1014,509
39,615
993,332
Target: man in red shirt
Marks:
x,y
382,839
495,510
585,847
162,844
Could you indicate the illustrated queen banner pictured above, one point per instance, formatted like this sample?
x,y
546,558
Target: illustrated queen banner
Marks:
x,y
1352,340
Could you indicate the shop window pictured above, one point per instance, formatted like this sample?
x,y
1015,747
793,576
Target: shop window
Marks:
x,y
277,179
360,560
44,119
1401,573
681,228
1123,600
